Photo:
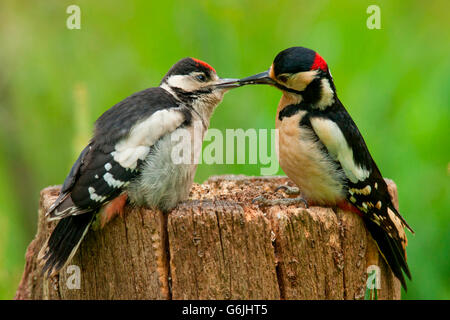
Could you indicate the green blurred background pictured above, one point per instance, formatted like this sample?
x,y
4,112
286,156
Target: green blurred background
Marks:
x,y
55,82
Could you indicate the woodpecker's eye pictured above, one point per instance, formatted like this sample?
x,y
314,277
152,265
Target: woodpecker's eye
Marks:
x,y
201,77
283,77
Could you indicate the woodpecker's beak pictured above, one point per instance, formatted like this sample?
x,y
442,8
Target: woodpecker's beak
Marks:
x,y
227,83
260,78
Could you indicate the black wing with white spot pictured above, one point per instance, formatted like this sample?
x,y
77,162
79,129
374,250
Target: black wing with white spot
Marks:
x,y
365,186
371,197
124,135
382,220
106,166
94,180
102,179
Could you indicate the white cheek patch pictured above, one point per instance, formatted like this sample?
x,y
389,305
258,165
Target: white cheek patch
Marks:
x,y
334,140
144,135
183,82
301,80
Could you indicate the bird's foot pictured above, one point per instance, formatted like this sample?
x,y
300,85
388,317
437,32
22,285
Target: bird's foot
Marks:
x,y
261,201
288,190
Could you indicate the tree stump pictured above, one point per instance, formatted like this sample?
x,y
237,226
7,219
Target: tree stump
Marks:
x,y
216,245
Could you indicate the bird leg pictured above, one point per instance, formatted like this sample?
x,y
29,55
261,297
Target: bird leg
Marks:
x,y
278,202
347,206
288,190
286,201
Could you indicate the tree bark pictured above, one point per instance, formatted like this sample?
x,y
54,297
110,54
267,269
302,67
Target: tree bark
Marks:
x,y
216,245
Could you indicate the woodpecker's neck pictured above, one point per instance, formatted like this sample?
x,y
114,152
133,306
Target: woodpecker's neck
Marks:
x,y
202,102
169,89
320,94
204,110
288,99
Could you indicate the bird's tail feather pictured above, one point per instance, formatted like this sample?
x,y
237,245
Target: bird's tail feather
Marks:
x,y
64,207
391,206
391,250
64,242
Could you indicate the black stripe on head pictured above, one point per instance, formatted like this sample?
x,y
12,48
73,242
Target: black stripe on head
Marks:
x,y
187,66
189,96
294,60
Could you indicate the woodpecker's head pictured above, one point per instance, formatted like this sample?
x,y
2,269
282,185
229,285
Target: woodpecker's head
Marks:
x,y
300,73
193,81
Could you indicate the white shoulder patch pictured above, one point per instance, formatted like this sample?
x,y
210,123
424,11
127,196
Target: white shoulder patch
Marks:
x,y
333,138
144,135
327,97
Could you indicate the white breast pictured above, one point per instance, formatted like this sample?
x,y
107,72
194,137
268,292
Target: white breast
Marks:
x,y
303,161
163,182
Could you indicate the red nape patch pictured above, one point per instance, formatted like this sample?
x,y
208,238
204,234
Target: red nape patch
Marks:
x,y
347,206
204,64
319,63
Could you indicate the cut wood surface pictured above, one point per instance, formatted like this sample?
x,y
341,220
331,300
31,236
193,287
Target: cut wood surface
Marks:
x,y
216,245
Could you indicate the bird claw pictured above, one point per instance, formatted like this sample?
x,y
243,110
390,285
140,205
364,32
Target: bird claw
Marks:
x,y
276,202
258,198
302,200
288,190
262,201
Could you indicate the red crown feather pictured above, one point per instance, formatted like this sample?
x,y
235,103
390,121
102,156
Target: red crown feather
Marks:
x,y
319,63
204,64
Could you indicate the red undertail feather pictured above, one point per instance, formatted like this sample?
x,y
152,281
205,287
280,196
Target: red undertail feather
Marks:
x,y
113,208
347,206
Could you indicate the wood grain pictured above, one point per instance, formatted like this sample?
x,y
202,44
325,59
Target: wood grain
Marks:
x,y
217,245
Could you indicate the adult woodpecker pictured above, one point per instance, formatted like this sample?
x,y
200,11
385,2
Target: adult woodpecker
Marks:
x,y
130,156
322,151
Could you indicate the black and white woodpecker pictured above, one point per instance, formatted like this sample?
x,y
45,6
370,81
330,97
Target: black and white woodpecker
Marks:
x,y
129,157
322,151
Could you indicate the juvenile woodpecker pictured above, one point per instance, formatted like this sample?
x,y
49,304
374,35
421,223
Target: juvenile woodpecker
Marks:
x,y
322,151
130,156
